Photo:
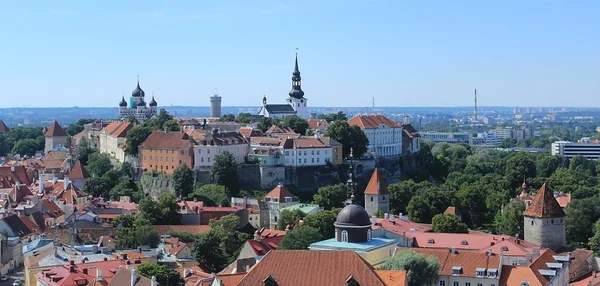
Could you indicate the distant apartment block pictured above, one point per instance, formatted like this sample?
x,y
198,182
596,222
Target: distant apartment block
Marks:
x,y
449,137
586,147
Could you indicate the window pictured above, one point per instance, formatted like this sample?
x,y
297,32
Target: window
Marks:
x,y
179,162
531,222
312,152
551,221
371,198
287,153
181,152
313,160
208,159
275,200
467,283
150,157
317,152
352,282
455,283
199,151
202,160
299,161
304,160
479,284
207,151
305,153
344,236
442,283
318,160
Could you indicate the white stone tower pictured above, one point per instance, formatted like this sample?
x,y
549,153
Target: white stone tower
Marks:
x,y
215,106
297,99
545,221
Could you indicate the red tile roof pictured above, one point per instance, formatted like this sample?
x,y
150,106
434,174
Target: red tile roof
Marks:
x,y
372,121
123,277
248,132
544,205
118,128
279,192
166,140
32,226
304,142
265,245
55,130
11,175
79,172
392,277
317,124
514,275
410,131
51,208
288,267
278,129
178,248
399,226
376,185
3,127
468,261
231,279
564,200
68,195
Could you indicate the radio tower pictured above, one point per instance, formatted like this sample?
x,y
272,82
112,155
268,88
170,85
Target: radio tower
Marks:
x,y
475,111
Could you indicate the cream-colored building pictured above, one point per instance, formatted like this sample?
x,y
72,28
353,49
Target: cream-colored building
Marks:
x,y
112,139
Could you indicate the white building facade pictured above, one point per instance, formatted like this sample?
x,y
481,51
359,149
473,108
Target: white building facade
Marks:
x,y
385,135
307,151
589,149
297,104
213,144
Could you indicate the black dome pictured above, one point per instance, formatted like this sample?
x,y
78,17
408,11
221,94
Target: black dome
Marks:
x,y
353,215
153,102
138,92
123,103
141,102
296,92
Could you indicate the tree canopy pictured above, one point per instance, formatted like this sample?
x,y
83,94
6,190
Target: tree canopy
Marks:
x,y
163,211
448,223
330,197
224,172
164,275
420,270
349,136
183,180
300,239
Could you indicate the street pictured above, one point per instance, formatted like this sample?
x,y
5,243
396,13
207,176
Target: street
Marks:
x,y
18,273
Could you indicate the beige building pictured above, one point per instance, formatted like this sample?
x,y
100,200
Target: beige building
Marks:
x,y
112,139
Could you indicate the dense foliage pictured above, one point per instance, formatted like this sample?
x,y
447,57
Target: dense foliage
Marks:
x,y
300,238
218,247
420,270
349,136
164,275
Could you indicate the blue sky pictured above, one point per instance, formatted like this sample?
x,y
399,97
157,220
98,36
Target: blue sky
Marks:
x,y
403,53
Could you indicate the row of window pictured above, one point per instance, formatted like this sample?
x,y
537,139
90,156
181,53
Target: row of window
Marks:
x,y
456,283
312,152
165,168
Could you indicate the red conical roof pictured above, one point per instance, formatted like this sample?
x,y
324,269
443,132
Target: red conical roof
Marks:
x,y
376,185
544,205
79,172
55,130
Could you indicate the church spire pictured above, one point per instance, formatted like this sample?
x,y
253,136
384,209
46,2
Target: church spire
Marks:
x,y
296,91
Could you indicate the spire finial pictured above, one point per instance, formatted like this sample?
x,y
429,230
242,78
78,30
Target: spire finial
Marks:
x,y
138,80
216,91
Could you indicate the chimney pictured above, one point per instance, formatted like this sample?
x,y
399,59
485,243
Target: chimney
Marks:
x,y
72,262
99,274
66,182
134,276
536,252
453,251
373,220
594,273
72,268
392,218
257,236
12,169
400,216
386,215
529,257
153,282
490,252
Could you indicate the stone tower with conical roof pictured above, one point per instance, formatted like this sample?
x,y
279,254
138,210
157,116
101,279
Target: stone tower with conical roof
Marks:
x,y
54,137
377,195
544,221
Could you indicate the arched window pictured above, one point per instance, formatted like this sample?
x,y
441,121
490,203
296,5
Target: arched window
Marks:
x,y
369,235
344,236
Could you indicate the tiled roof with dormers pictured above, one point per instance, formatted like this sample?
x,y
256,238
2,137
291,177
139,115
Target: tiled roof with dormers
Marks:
x,y
372,121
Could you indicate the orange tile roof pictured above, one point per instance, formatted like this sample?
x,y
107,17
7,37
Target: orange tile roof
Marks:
x,y
372,121
466,241
118,128
166,140
317,124
304,142
544,205
564,200
278,129
79,172
399,226
231,279
55,130
392,277
178,248
514,275
376,185
288,267
11,175
469,261
452,210
267,244
280,192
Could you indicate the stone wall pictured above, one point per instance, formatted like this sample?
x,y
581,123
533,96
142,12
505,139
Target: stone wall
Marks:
x,y
270,176
157,185
249,176
545,232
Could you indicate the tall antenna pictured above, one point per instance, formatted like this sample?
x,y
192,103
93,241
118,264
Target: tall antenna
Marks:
x,y
475,111
216,91
373,105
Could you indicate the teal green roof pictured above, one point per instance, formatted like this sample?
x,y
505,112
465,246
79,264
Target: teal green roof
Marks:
x,y
305,208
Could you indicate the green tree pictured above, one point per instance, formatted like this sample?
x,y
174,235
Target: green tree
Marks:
x,y
157,123
171,125
84,150
379,214
296,123
546,164
264,124
519,165
77,127
146,235
135,136
510,220
132,233
594,242
125,187
164,275
162,212
224,172
183,180
401,194
420,209
126,170
420,270
333,116
231,239
26,147
448,223
472,199
227,118
4,146
208,252
349,136
289,217
98,164
97,187
330,197
323,221
244,117
300,239
211,195
581,216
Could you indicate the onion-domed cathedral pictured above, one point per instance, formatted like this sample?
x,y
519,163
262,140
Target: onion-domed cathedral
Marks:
x,y
353,231
137,106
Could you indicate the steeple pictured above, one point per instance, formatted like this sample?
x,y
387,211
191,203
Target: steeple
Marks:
x,y
350,184
296,91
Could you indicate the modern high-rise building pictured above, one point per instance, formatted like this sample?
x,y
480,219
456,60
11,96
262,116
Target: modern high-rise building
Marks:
x,y
215,106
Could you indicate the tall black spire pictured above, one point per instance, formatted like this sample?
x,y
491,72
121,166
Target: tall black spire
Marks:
x,y
296,91
350,184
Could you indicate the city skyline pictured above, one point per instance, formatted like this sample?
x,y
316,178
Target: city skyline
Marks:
x,y
403,53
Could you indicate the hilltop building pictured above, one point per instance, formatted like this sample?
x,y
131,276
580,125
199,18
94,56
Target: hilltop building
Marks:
x,y
137,106
296,102
55,137
385,135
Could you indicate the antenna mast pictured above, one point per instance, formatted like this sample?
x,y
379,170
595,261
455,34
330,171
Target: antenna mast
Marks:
x,y
475,111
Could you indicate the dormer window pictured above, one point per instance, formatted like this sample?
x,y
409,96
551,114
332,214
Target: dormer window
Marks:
x,y
288,199
464,242
480,272
275,200
456,270
492,272
352,282
270,281
504,248
430,241
267,199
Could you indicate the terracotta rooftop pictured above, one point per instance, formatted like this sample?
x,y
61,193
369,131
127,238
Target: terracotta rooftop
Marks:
x,y
581,263
468,261
392,277
79,172
278,129
3,127
399,226
372,121
11,175
410,131
317,124
123,277
289,267
280,192
376,185
265,245
304,143
195,229
544,205
118,128
231,279
452,210
55,130
166,140
514,275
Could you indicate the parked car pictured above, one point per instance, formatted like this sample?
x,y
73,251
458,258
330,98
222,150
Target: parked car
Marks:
x,y
4,278
18,282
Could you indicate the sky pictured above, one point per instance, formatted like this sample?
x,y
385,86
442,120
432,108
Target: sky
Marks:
x,y
401,53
